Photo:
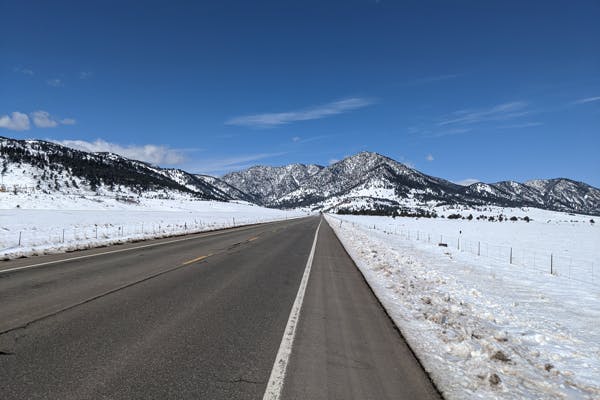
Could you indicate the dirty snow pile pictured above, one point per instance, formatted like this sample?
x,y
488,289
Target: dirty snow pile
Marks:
x,y
482,327
63,223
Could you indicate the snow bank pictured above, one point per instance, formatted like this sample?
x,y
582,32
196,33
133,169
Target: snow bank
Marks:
x,y
483,328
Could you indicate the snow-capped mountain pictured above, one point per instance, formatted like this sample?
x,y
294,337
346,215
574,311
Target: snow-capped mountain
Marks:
x,y
368,175
233,192
267,185
567,195
44,167
370,180
363,181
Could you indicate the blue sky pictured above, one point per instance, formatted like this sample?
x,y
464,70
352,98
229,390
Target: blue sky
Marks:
x,y
466,89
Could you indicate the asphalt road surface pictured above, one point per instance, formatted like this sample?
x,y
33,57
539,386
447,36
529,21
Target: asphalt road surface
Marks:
x,y
200,317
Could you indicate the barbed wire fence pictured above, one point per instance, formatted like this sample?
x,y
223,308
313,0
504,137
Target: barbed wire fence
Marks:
x,y
40,240
568,267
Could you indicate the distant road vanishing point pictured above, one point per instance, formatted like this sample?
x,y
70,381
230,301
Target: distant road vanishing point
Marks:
x,y
206,316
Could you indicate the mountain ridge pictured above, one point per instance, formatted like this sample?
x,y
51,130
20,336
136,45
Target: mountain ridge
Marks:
x,y
369,175
48,167
366,180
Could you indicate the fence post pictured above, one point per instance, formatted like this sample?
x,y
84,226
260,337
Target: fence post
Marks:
x,y
551,264
96,231
20,239
478,248
458,243
63,236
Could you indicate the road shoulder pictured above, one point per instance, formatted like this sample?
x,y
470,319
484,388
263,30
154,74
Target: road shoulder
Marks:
x,y
346,346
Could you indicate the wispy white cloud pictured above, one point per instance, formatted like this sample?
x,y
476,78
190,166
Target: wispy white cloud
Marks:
x,y
471,120
43,119
227,164
16,121
299,140
55,82
429,157
24,71
587,100
435,133
333,161
155,154
85,74
523,125
467,182
269,120
500,112
68,121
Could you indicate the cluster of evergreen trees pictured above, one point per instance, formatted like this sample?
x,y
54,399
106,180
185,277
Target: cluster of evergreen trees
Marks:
x,y
388,211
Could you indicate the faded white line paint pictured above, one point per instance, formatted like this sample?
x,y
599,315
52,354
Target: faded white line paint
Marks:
x,y
277,378
202,235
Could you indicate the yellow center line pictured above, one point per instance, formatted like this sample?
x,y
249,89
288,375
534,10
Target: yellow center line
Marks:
x,y
196,259
252,238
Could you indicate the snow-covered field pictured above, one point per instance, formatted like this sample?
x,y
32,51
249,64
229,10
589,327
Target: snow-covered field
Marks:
x,y
50,224
564,244
482,327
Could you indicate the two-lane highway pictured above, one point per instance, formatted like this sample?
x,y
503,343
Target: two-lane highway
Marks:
x,y
196,317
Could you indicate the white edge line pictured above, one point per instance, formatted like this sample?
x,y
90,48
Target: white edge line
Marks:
x,y
277,377
198,235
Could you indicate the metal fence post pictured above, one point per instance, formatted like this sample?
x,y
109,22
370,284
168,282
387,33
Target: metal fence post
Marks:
x,y
551,264
478,248
20,239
